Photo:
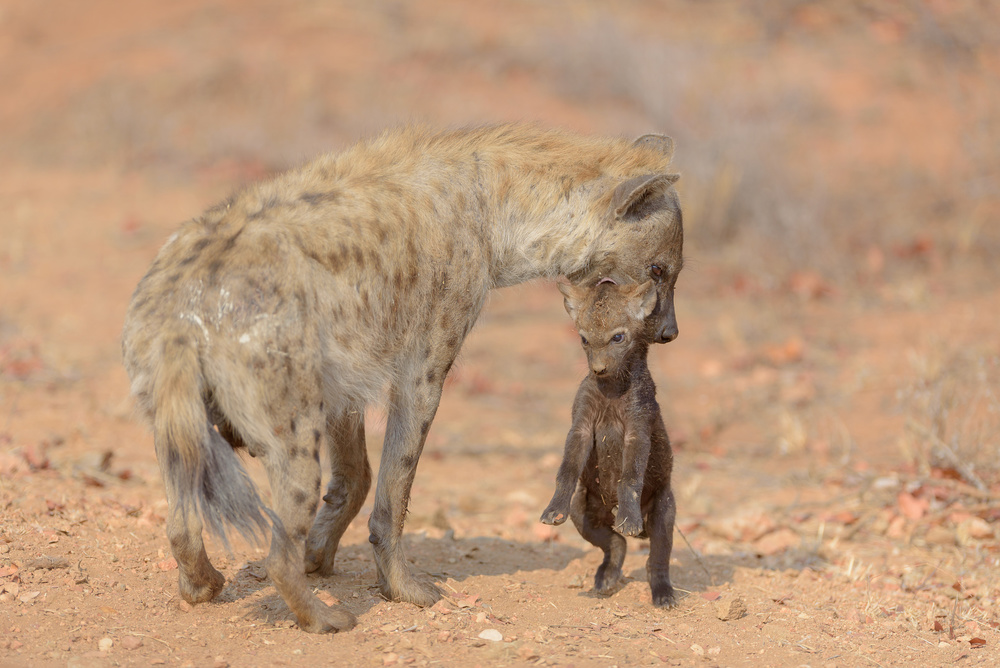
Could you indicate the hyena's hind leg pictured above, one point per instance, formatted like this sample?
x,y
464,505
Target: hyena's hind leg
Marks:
x,y
587,513
294,475
350,480
198,580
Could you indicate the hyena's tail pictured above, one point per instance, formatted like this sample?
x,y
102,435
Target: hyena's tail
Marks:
x,y
201,471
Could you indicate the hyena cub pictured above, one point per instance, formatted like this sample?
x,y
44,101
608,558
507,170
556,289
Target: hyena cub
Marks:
x,y
617,448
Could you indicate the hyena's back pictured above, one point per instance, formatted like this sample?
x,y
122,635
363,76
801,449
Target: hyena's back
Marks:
x,y
286,284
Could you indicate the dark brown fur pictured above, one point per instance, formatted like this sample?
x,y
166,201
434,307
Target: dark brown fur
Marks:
x,y
617,457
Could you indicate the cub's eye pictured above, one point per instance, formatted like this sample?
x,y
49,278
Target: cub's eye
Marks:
x,y
618,338
655,271
584,339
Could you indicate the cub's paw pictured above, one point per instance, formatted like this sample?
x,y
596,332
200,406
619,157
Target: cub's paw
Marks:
x,y
555,514
663,595
628,523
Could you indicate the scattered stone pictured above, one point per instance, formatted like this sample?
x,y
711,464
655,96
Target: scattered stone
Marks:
x,y
105,644
167,565
730,607
46,563
390,659
577,582
492,635
698,649
220,663
131,642
527,653
184,606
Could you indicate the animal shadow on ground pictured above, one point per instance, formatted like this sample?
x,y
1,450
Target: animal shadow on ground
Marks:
x,y
354,583
693,573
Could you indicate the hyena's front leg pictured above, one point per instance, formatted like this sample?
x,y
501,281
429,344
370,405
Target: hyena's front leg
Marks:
x,y
294,474
350,480
413,407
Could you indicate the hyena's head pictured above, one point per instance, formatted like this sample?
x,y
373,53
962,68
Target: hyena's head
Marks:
x,y
643,238
611,320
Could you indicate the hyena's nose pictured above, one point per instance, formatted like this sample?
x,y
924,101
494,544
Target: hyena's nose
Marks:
x,y
599,369
666,334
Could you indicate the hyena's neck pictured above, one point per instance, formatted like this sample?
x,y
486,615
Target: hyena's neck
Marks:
x,y
537,231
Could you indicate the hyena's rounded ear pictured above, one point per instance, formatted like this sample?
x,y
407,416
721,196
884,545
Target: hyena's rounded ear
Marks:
x,y
636,197
642,299
572,296
661,143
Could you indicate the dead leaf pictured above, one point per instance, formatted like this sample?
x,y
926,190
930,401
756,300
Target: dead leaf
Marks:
x,y
912,507
468,601
28,596
327,598
977,642
777,541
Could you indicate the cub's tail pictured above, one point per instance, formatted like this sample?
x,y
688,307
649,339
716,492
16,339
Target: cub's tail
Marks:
x,y
201,471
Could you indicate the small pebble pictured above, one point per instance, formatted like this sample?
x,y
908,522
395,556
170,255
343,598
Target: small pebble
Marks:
x,y
131,642
105,644
491,634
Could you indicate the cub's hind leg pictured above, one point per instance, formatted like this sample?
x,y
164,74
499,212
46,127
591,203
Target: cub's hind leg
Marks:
x,y
593,520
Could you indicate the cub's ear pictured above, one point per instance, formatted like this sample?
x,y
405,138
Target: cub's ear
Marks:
x,y
635,197
661,143
572,296
642,300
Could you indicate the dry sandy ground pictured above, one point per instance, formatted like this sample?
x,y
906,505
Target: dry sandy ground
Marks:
x,y
835,426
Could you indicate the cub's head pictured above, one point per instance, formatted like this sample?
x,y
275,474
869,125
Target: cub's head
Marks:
x,y
611,320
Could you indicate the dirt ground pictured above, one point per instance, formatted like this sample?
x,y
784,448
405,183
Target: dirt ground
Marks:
x,y
833,398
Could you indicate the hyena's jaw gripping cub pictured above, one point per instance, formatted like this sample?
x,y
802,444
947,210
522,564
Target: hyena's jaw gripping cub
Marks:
x,y
614,480
270,322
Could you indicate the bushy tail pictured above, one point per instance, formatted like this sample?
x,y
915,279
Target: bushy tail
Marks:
x,y
201,470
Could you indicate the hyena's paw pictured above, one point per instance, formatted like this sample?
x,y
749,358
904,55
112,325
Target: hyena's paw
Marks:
x,y
326,619
424,594
556,513
202,587
320,555
628,521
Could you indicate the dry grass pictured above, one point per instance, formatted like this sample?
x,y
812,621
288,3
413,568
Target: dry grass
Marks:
x,y
953,414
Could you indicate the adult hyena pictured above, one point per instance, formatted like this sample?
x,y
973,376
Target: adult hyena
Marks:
x,y
271,321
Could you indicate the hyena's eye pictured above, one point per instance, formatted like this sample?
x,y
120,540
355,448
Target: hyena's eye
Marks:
x,y
584,339
618,338
655,271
